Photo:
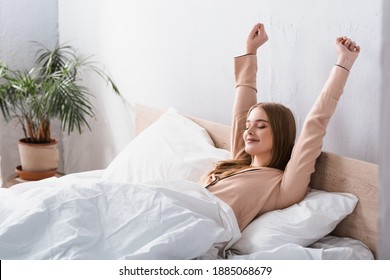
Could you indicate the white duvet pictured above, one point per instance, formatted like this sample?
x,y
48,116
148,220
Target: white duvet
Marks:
x,y
79,218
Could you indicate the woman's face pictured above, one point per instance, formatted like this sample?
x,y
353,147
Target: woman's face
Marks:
x,y
258,137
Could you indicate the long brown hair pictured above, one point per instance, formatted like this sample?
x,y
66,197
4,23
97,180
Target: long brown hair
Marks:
x,y
283,127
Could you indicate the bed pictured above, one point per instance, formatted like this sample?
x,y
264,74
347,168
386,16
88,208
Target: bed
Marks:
x,y
148,204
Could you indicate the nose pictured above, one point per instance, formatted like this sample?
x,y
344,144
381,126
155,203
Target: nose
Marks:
x,y
250,129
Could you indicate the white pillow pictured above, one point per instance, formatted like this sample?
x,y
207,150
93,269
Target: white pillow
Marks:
x,y
173,147
303,223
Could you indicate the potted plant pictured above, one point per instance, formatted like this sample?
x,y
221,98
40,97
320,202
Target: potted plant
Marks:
x,y
51,89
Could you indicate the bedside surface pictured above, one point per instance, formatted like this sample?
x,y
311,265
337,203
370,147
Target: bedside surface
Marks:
x,y
15,179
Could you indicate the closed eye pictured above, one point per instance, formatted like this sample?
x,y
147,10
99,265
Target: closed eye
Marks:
x,y
259,127
261,123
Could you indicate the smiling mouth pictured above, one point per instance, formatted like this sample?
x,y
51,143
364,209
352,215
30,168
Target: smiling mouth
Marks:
x,y
249,141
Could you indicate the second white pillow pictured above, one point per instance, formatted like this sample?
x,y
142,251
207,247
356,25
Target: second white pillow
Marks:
x,y
174,147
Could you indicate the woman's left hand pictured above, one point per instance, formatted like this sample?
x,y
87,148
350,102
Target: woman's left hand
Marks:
x,y
347,51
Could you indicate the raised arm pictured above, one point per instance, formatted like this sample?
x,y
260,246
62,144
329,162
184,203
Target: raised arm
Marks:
x,y
246,90
308,146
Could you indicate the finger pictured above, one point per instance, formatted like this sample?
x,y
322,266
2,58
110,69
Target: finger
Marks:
x,y
341,40
257,30
348,43
254,31
260,29
352,46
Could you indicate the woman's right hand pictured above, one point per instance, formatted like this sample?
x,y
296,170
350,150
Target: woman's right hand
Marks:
x,y
256,38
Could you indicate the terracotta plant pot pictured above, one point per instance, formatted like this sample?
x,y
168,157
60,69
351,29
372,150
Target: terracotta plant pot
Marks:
x,y
34,175
38,157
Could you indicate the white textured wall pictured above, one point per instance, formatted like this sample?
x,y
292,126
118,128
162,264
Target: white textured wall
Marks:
x,y
21,22
180,53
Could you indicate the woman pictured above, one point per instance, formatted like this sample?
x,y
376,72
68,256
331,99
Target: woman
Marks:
x,y
268,170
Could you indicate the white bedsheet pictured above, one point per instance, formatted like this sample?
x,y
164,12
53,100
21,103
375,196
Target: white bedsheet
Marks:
x,y
327,248
77,217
